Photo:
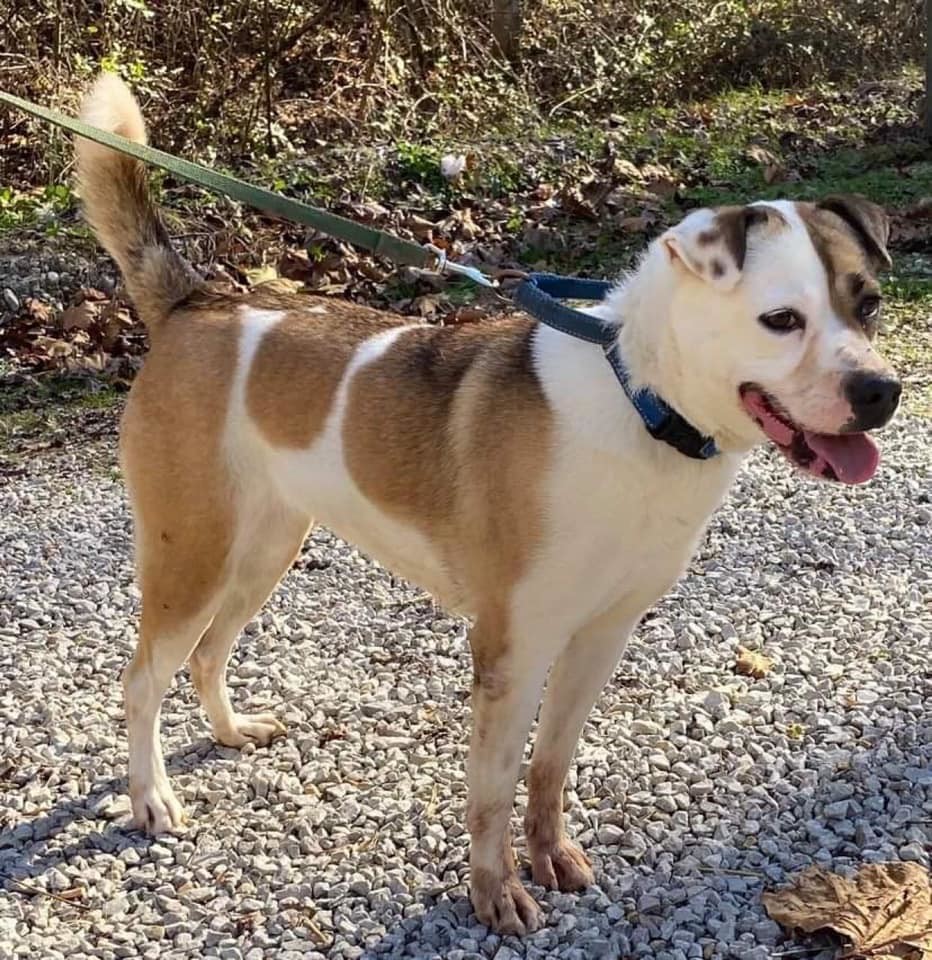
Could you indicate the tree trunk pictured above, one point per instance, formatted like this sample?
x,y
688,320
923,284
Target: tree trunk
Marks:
x,y
506,28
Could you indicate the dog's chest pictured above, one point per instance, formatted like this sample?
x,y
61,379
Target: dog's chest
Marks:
x,y
620,531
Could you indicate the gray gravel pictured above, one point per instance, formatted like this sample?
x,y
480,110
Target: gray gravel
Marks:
x,y
695,788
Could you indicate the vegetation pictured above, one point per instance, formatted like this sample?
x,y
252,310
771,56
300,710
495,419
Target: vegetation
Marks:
x,y
585,128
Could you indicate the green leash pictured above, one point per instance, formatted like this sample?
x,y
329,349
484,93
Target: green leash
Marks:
x,y
379,242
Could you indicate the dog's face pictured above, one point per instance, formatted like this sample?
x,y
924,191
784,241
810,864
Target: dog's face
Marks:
x,y
774,312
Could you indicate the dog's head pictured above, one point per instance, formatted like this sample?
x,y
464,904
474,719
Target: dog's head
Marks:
x,y
774,310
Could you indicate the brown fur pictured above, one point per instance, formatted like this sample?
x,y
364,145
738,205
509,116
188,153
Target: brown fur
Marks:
x,y
131,230
181,552
735,223
848,264
425,453
299,363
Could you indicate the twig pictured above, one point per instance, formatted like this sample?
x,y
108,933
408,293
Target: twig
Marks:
x,y
322,938
29,888
218,101
732,873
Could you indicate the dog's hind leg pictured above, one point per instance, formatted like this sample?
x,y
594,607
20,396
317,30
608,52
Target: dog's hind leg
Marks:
x,y
261,557
164,644
575,682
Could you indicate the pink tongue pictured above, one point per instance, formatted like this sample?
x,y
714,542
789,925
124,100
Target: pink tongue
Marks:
x,y
853,456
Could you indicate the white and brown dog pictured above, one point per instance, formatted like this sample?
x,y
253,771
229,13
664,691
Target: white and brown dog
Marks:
x,y
498,465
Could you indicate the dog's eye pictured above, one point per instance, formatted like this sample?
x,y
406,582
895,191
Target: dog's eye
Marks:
x,y
782,321
869,310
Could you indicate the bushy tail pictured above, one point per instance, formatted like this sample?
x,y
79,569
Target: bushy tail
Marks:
x,y
115,192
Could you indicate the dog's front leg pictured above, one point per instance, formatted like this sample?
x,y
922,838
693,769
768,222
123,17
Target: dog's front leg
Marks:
x,y
575,682
508,677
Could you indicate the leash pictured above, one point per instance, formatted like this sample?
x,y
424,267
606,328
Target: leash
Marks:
x,y
539,294
379,242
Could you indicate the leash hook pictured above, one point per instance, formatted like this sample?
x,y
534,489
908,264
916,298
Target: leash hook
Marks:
x,y
445,265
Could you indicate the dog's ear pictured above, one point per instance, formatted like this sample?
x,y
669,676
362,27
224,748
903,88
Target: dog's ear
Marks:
x,y
712,243
868,220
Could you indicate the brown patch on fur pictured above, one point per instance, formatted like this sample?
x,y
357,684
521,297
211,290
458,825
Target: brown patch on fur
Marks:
x,y
300,361
448,431
718,268
543,822
707,237
556,862
843,258
736,222
867,221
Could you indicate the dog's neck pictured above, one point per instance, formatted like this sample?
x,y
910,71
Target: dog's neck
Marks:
x,y
641,307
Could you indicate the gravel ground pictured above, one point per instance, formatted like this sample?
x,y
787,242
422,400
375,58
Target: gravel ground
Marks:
x,y
695,788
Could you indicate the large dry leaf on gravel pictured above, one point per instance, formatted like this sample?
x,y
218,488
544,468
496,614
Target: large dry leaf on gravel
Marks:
x,y
751,663
885,911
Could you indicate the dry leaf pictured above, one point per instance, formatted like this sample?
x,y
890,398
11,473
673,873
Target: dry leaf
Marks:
x,y
752,664
263,274
885,911
634,224
428,305
37,310
80,317
576,205
659,181
421,228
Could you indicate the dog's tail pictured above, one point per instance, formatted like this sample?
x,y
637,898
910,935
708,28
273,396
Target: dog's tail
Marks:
x,y
115,192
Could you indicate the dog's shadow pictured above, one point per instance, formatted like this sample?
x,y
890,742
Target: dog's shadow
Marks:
x,y
24,852
444,920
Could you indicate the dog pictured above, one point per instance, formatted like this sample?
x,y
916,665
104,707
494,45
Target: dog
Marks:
x,y
499,465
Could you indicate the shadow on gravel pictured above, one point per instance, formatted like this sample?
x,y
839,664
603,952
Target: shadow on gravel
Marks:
x,y
886,784
25,851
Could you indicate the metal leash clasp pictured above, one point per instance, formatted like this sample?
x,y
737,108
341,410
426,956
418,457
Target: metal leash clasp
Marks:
x,y
448,266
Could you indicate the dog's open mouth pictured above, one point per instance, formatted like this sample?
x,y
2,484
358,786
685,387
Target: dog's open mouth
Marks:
x,y
846,458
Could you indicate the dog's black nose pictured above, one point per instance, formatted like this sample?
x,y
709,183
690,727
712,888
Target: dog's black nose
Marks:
x,y
873,398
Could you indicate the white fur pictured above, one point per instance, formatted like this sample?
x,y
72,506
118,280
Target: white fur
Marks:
x,y
318,481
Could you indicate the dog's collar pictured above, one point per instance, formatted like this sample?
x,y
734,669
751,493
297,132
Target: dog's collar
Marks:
x,y
540,294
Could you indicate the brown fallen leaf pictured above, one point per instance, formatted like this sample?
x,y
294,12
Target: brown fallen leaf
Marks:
x,y
659,180
885,911
634,224
81,316
296,265
773,168
750,663
576,205
37,310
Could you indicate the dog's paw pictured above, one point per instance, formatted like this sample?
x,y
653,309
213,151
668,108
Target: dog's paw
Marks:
x,y
561,866
156,808
503,904
244,728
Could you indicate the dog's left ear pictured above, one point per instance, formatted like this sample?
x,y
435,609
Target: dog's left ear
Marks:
x,y
712,244
868,220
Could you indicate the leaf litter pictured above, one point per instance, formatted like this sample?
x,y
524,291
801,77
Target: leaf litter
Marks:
x,y
884,912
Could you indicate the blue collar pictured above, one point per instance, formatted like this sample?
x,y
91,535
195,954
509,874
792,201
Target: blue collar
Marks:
x,y
540,294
